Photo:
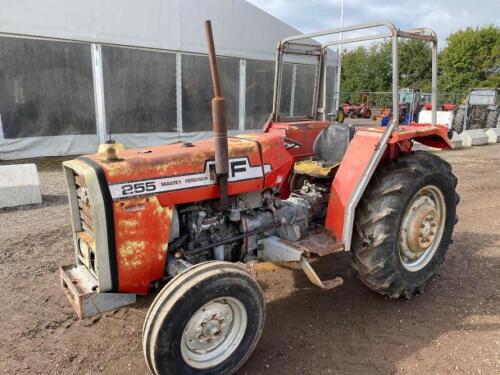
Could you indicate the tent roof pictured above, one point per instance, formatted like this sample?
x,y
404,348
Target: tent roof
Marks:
x,y
240,28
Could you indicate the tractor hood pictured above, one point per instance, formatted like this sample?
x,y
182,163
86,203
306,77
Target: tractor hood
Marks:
x,y
182,166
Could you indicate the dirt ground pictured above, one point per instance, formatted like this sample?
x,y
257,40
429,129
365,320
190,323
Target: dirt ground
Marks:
x,y
454,327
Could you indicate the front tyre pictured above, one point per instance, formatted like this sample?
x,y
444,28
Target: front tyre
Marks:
x,y
404,224
207,320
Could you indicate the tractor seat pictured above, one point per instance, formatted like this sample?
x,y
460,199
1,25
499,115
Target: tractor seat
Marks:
x,y
329,149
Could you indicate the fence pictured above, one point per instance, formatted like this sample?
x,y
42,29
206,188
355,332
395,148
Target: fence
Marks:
x,y
384,99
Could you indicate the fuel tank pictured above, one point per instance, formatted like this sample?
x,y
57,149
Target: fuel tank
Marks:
x,y
184,172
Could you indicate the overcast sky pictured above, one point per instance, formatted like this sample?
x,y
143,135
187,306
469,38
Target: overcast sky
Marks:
x,y
444,16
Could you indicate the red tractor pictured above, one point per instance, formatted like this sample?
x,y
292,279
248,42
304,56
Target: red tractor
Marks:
x,y
189,219
361,110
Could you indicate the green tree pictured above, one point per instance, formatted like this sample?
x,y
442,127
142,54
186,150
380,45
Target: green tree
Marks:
x,y
415,64
471,59
370,69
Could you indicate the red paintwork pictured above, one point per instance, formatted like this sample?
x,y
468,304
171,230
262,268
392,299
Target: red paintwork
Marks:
x,y
147,228
444,107
351,169
142,224
141,242
359,153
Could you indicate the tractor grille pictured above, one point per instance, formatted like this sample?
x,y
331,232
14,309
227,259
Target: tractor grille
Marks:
x,y
85,238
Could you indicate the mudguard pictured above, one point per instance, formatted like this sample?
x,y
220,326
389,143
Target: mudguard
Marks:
x,y
363,156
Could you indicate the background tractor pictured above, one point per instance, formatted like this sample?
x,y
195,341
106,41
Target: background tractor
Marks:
x,y
361,110
190,219
410,104
480,111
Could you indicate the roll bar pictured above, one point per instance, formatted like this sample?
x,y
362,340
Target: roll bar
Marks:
x,y
392,31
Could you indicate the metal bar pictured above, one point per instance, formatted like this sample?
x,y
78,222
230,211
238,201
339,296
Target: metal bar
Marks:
x,y
357,39
434,82
395,82
1,128
339,30
323,86
293,88
99,100
178,91
339,63
242,96
410,35
277,83
317,87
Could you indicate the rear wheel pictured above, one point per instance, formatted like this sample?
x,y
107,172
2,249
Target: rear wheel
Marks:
x,y
492,119
207,320
404,224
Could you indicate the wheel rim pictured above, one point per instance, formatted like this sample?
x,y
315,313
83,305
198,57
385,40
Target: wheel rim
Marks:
x,y
214,332
422,228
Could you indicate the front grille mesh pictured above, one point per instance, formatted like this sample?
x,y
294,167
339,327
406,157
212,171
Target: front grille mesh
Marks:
x,y
86,238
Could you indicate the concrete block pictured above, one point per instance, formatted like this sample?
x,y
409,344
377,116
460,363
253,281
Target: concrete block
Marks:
x,y
475,137
19,185
493,135
456,140
442,117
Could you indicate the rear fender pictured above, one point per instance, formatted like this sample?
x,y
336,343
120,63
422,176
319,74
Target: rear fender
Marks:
x,y
364,155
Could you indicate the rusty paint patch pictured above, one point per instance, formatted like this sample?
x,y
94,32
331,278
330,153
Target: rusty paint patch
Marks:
x,y
131,253
128,224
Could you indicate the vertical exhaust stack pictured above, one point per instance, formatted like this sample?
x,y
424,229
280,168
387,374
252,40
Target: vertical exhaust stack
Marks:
x,y
219,124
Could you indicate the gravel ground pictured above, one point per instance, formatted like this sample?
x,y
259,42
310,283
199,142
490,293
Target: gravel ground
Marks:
x,y
453,328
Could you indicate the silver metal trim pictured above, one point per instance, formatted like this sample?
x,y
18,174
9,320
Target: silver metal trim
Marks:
x,y
178,90
100,102
292,93
242,94
1,128
101,229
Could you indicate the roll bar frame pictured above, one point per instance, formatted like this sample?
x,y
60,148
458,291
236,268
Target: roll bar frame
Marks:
x,y
392,31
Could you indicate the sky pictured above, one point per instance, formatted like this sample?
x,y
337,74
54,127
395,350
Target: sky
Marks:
x,y
443,16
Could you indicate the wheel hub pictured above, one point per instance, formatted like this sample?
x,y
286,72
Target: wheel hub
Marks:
x,y
213,332
421,228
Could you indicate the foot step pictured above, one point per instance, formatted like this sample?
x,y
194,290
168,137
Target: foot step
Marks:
x,y
319,243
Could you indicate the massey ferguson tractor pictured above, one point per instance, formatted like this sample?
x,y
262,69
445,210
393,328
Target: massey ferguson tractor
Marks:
x,y
190,219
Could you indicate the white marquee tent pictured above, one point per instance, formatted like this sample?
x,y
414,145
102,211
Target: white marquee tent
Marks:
x,y
71,71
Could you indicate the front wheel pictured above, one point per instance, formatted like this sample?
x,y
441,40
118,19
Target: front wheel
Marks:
x,y
404,224
207,320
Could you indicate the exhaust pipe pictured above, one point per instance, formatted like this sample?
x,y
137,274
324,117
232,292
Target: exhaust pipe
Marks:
x,y
219,124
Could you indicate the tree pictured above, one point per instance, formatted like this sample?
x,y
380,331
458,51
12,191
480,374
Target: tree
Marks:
x,y
415,64
370,69
471,59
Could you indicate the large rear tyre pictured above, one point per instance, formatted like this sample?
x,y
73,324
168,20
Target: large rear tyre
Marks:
x,y
492,120
404,224
207,320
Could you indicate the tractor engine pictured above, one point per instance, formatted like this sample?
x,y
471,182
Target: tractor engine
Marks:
x,y
202,232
